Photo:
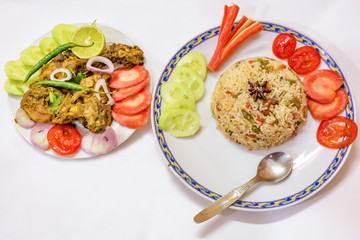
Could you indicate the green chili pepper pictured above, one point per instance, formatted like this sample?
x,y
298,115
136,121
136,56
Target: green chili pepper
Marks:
x,y
70,85
51,55
255,129
296,102
291,81
247,116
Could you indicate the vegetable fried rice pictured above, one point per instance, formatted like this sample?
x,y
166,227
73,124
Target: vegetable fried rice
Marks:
x,y
259,102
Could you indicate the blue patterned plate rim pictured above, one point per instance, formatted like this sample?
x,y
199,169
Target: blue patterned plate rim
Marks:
x,y
327,175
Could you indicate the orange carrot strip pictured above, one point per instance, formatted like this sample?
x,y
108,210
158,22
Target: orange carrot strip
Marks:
x,y
227,23
225,16
238,26
240,38
248,23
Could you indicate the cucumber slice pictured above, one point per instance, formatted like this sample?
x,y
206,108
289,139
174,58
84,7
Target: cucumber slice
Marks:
x,y
47,44
31,55
16,87
63,33
178,103
180,122
195,61
17,70
190,79
172,91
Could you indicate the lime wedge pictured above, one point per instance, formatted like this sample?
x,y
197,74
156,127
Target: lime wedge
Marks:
x,y
87,35
63,33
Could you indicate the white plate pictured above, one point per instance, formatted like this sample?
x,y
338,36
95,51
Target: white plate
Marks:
x,y
211,165
123,133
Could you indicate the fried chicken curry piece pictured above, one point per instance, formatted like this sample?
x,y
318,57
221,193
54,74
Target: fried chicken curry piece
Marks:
x,y
84,107
129,56
63,60
81,106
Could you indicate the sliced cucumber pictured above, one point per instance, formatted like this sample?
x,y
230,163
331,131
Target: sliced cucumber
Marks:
x,y
47,44
190,79
63,33
195,61
180,122
15,87
172,91
31,55
17,70
178,103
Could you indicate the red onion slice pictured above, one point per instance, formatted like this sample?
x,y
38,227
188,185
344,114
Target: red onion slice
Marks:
x,y
23,119
63,70
98,144
101,83
38,135
104,60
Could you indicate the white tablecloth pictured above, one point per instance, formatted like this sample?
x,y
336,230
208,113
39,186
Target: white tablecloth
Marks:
x,y
131,193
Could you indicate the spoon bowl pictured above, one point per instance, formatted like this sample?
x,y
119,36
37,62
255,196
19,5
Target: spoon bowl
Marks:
x,y
274,167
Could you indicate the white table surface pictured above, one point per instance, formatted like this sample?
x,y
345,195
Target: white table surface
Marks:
x,y
131,193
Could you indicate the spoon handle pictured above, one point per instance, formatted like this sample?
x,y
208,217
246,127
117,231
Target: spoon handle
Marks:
x,y
225,201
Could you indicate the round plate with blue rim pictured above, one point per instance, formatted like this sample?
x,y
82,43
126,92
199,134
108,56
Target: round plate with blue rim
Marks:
x,y
122,132
211,165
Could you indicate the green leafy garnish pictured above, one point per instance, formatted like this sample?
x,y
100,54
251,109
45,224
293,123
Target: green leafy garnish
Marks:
x,y
55,100
76,78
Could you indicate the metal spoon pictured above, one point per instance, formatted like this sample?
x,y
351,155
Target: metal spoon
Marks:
x,y
273,167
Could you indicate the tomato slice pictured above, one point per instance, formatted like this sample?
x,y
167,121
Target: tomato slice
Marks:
x,y
129,91
134,121
304,60
133,104
331,131
64,139
321,85
284,45
124,77
325,111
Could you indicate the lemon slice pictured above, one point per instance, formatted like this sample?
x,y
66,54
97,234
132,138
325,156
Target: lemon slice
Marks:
x,y
87,35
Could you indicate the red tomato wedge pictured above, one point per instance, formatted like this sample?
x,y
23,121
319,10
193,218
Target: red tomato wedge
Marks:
x,y
304,60
326,111
135,121
129,91
125,77
133,104
284,45
331,131
64,139
321,85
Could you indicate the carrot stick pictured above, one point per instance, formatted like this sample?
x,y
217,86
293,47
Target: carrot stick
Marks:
x,y
227,23
225,16
238,26
240,38
246,24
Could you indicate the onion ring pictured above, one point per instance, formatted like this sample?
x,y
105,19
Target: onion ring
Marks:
x,y
23,119
101,83
63,70
38,135
98,144
104,60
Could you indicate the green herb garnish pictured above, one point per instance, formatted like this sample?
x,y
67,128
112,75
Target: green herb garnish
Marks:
x,y
76,78
55,100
